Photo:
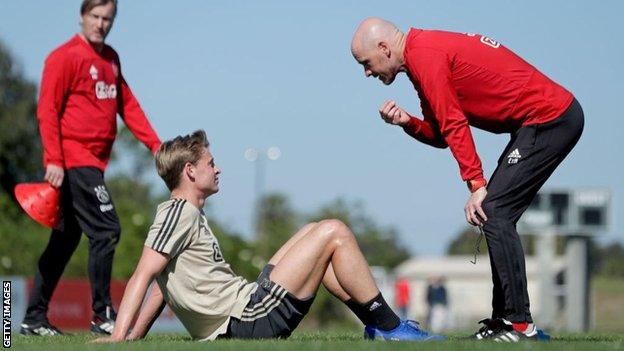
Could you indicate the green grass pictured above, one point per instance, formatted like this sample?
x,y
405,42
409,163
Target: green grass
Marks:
x,y
608,304
321,341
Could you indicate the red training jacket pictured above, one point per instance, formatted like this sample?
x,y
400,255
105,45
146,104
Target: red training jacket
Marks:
x,y
470,79
81,93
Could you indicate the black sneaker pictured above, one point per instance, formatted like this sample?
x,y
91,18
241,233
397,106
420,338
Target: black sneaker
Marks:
x,y
490,327
104,323
509,334
43,328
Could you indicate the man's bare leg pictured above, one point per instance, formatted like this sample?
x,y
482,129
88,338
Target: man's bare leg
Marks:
x,y
306,263
333,286
303,266
289,244
329,280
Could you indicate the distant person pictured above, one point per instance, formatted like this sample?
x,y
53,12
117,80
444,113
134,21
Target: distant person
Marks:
x,y
182,255
402,296
437,302
463,80
82,91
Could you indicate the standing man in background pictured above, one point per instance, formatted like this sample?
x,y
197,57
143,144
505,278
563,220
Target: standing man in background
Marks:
x,y
82,91
467,80
402,297
437,301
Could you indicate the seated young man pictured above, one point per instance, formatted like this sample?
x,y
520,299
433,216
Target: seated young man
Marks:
x,y
182,254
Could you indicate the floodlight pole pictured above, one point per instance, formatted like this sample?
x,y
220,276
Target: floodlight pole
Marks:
x,y
258,159
259,193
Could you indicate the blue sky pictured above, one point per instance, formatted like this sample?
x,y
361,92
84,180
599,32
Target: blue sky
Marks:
x,y
280,73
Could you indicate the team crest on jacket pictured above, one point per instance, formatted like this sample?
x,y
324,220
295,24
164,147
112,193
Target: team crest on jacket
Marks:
x,y
93,72
102,194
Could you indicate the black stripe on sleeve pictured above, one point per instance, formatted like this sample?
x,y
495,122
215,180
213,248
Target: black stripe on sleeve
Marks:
x,y
164,223
172,226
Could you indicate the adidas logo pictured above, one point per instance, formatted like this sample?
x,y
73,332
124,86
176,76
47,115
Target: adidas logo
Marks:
x,y
513,157
374,306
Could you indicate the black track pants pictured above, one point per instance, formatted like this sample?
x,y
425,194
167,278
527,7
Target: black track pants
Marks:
x,y
532,155
86,207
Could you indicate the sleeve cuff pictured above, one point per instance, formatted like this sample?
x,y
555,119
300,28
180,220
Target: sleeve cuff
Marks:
x,y
476,184
413,125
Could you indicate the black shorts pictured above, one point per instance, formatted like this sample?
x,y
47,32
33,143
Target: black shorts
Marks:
x,y
272,312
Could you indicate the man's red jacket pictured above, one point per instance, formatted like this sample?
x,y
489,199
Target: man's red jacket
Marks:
x,y
82,91
467,80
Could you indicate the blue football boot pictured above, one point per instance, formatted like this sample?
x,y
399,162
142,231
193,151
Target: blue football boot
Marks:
x,y
407,330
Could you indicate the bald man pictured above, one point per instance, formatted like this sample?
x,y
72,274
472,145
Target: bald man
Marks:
x,y
463,80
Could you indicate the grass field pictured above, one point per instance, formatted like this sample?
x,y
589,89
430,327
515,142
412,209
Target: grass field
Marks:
x,y
343,341
608,303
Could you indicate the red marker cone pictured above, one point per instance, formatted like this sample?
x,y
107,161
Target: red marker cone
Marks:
x,y
40,201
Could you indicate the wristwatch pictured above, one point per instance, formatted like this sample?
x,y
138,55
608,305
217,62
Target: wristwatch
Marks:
x,y
476,184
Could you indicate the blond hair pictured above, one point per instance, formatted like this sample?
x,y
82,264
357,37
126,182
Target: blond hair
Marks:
x,y
174,154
